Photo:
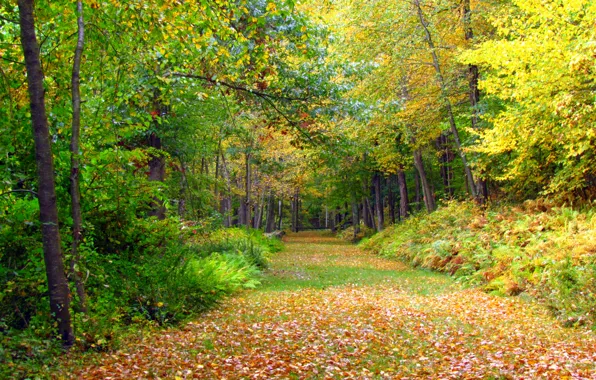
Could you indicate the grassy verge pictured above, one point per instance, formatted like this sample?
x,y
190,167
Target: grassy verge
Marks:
x,y
548,253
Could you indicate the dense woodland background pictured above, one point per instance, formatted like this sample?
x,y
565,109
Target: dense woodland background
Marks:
x,y
166,123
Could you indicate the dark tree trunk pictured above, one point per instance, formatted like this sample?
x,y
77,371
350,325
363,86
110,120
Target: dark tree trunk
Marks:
x,y
391,198
246,203
48,210
270,221
404,209
332,225
370,223
75,153
429,197
378,202
296,210
355,219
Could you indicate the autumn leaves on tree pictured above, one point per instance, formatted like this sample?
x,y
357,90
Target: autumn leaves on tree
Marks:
x,y
194,116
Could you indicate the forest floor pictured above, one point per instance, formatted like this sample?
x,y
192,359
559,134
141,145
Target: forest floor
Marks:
x,y
328,310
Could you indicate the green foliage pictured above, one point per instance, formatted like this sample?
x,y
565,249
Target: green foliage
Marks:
x,y
163,273
536,249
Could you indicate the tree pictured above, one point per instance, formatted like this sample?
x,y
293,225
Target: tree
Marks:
x,y
48,211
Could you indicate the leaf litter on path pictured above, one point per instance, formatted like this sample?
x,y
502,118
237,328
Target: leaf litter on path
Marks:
x,y
349,315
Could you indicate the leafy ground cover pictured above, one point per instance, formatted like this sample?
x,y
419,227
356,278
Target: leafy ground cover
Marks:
x,y
534,250
328,310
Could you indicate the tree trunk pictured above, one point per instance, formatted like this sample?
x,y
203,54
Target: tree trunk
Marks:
x,y
75,152
48,210
246,203
473,77
355,219
445,96
259,212
378,202
369,213
295,210
226,201
403,195
280,213
391,198
429,198
418,188
270,221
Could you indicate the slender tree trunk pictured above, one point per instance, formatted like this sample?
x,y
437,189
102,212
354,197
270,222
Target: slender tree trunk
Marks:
x,y
270,221
378,202
418,195
48,210
226,201
332,225
259,212
280,213
391,198
404,208
445,96
247,215
429,198
370,214
295,210
473,77
355,219
75,153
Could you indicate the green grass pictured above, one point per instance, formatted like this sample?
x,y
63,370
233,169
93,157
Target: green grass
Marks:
x,y
302,266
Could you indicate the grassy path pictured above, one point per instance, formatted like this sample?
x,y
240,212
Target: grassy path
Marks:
x,y
328,310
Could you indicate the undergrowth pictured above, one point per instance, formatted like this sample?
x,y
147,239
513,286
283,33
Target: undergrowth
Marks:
x,y
536,249
161,274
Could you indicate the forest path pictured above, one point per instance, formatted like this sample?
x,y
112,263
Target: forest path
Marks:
x,y
328,310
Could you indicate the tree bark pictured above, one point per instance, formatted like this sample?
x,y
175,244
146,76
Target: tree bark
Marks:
x,y
429,198
404,209
445,96
391,198
280,213
75,153
296,210
369,213
355,219
226,201
48,210
157,170
247,214
378,202
270,221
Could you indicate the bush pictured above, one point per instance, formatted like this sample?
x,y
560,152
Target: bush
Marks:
x,y
544,251
161,273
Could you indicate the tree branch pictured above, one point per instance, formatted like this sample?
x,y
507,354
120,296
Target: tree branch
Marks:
x,y
18,191
236,87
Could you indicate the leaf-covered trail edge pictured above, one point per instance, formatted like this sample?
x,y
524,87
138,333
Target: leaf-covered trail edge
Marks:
x,y
328,310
